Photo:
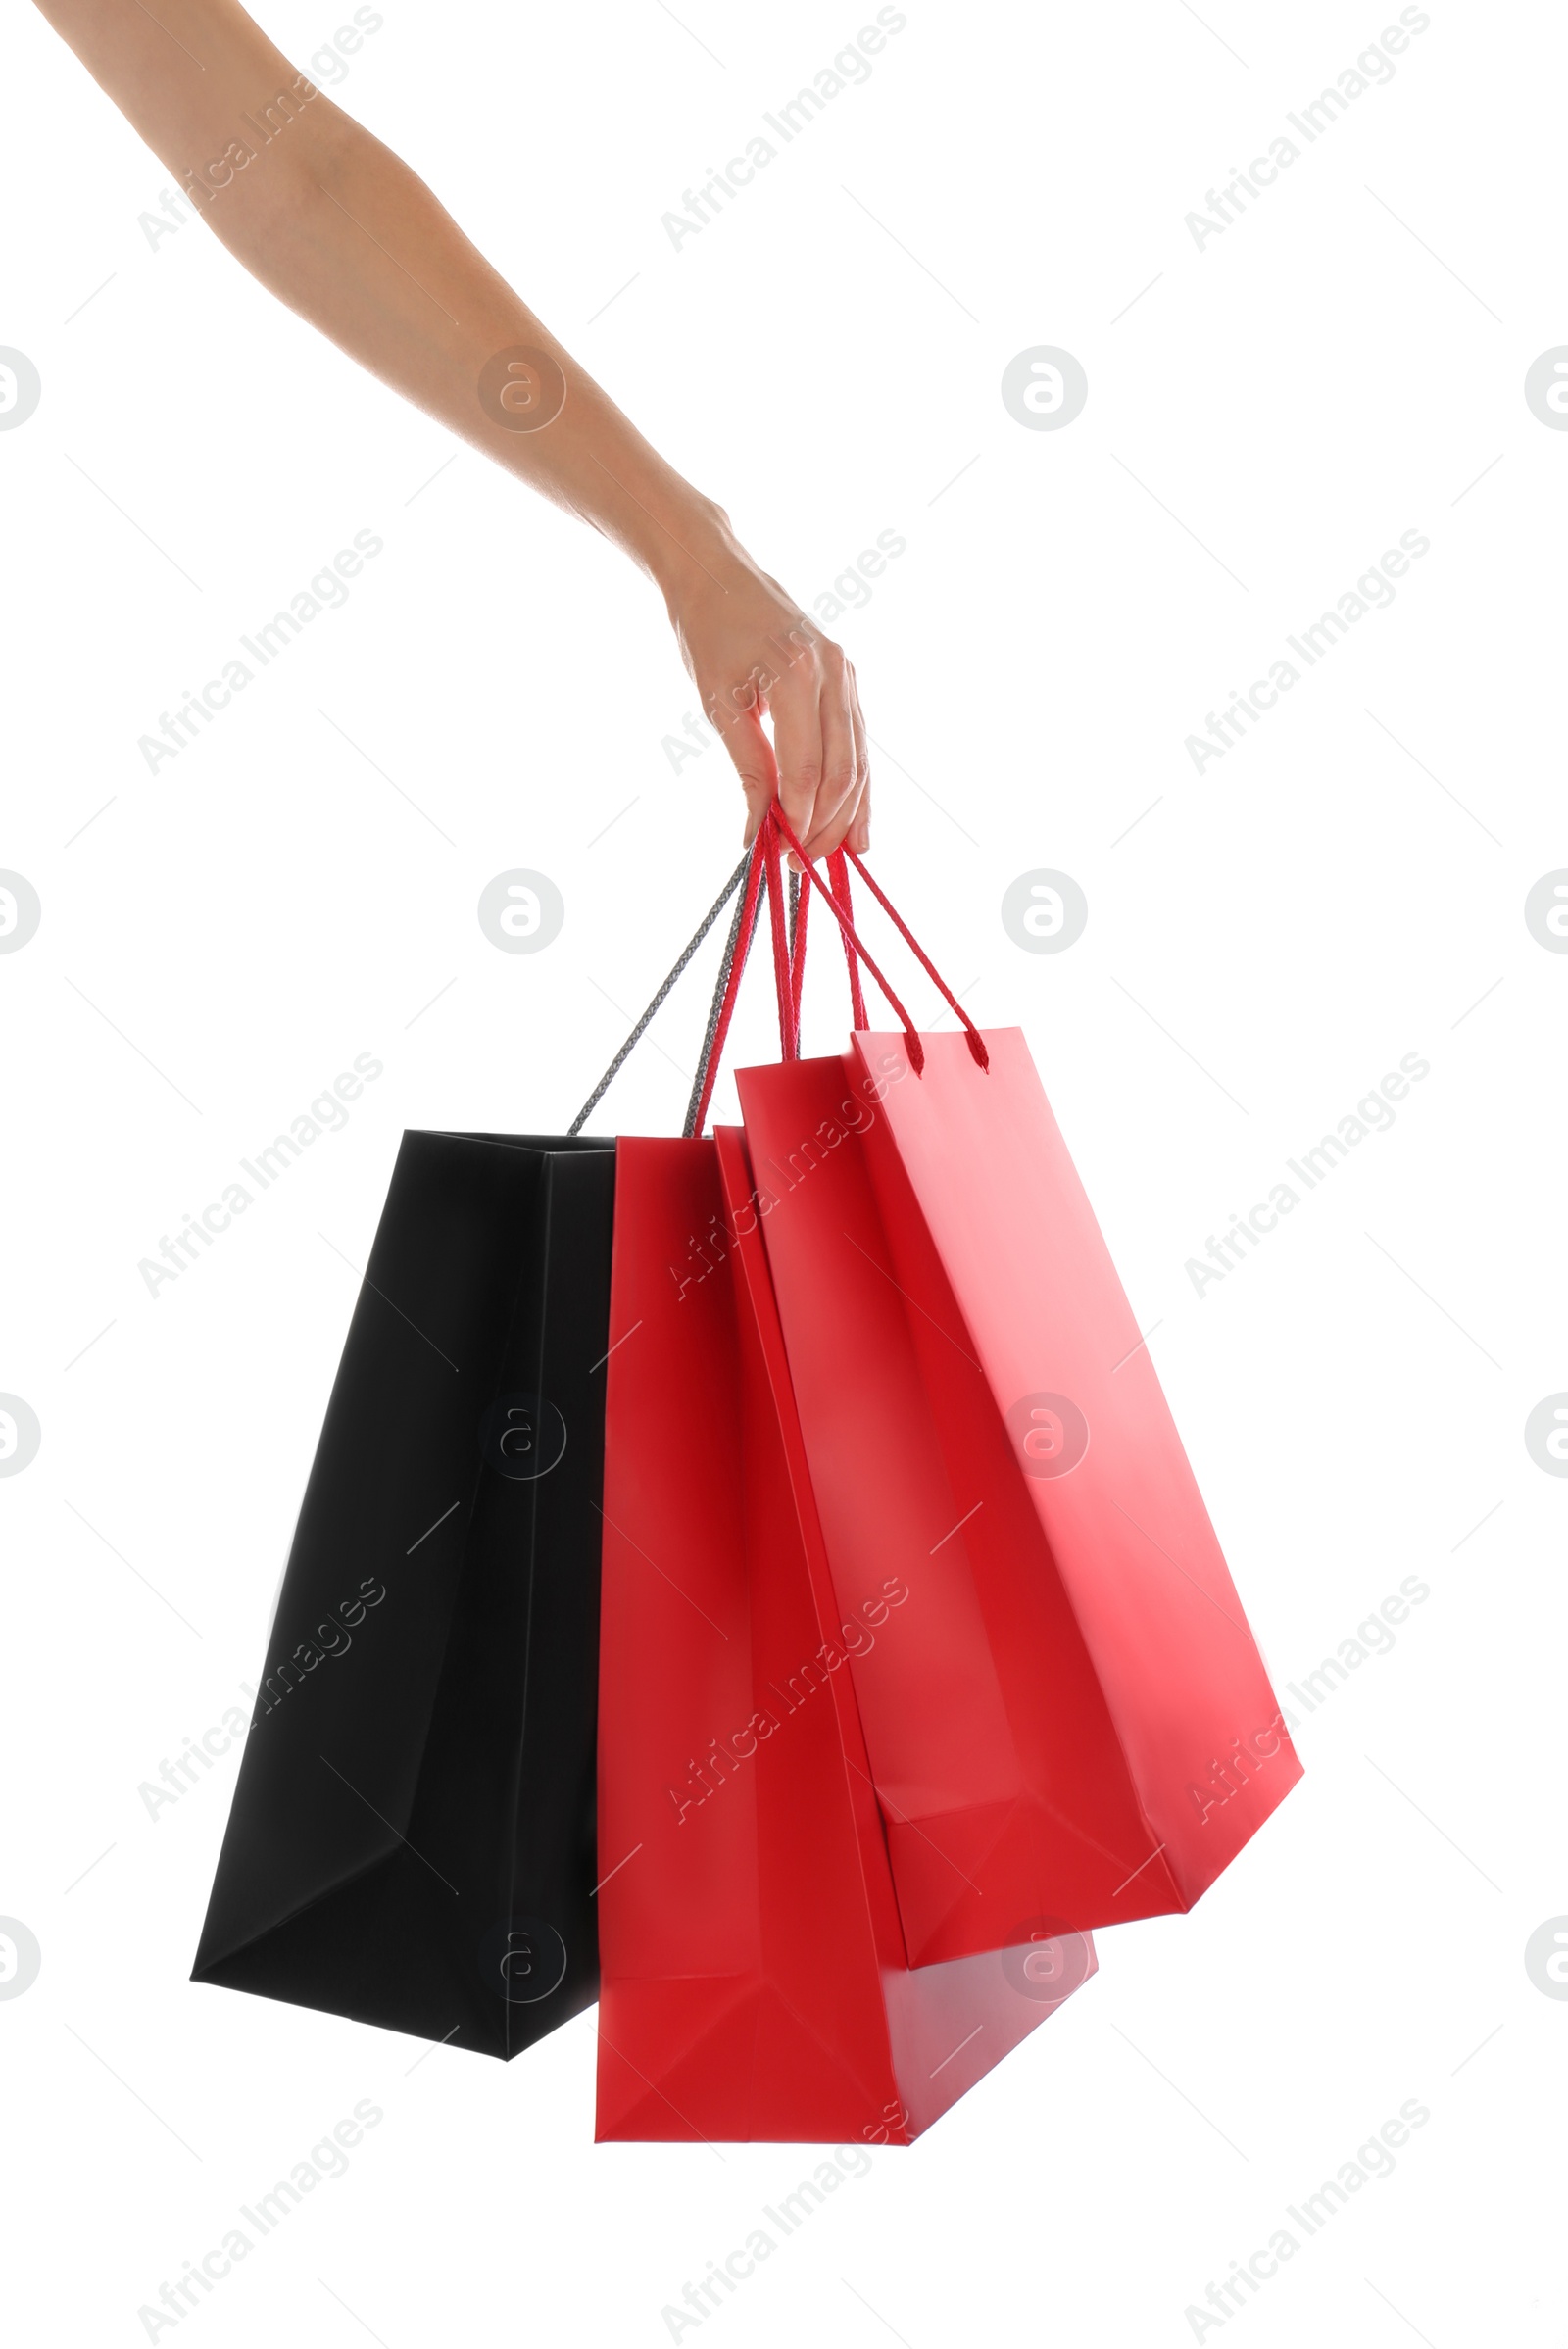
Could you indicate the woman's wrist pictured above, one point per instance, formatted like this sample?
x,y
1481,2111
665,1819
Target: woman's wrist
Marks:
x,y
688,548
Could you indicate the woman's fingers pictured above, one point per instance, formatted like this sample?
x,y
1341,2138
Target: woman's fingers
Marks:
x,y
751,756
755,657
839,788
860,831
818,761
796,703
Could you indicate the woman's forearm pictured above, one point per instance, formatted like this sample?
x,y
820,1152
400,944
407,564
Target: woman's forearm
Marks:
x,y
338,227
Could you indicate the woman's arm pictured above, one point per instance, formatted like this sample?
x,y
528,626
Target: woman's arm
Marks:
x,y
339,228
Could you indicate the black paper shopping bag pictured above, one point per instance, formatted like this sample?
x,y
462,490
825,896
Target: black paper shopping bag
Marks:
x,y
411,1838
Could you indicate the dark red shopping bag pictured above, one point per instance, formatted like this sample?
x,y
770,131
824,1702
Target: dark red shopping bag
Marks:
x,y
1074,1720
754,1978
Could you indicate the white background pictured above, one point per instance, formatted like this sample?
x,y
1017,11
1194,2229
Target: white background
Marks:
x,y
1342,365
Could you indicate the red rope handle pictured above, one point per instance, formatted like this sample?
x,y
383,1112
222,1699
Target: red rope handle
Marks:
x,y
788,1023
978,1049
797,963
838,873
789,965
777,820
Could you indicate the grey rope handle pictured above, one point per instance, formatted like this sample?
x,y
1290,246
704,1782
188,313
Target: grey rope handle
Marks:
x,y
707,921
689,1129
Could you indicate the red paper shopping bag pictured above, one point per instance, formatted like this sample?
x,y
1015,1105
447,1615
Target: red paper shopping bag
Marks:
x,y
1074,1720
754,1978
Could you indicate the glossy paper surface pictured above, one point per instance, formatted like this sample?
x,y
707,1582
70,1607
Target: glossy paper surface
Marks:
x,y
411,1838
1075,1721
754,1978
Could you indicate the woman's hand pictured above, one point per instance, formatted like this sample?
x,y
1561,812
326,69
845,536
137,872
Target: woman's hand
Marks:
x,y
752,653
